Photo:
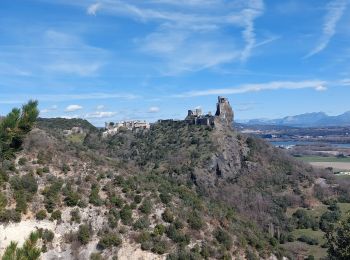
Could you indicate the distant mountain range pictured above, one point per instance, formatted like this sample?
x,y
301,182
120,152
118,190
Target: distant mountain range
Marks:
x,y
306,120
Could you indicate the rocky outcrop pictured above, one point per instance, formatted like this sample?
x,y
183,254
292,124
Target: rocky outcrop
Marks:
x,y
224,113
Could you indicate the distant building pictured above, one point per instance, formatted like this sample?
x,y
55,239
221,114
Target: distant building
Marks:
x,y
195,117
74,130
134,125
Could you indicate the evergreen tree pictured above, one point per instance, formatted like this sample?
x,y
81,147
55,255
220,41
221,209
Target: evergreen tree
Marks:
x,y
15,126
339,241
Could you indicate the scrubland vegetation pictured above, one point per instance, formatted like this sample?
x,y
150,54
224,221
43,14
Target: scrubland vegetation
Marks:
x,y
185,192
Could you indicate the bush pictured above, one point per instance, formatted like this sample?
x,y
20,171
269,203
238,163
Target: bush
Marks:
x,y
47,235
159,230
75,215
126,215
9,215
72,198
84,234
308,240
223,238
96,256
165,197
160,247
141,223
22,161
137,199
146,207
109,240
116,201
41,214
3,201
56,215
94,198
195,221
304,220
168,216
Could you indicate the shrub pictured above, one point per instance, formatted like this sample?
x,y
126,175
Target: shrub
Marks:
x,y
47,235
3,201
96,256
9,215
22,161
65,168
165,197
141,223
41,214
146,207
137,199
308,240
160,247
72,198
159,230
84,234
116,201
168,216
94,197
109,240
223,238
195,221
126,215
75,215
56,215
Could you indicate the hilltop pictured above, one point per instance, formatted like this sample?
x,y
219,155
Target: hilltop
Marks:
x,y
180,190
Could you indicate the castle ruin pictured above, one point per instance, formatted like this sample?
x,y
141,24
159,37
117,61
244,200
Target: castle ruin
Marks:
x,y
223,115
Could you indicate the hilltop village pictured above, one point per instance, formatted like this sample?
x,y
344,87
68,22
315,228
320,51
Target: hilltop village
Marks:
x,y
224,114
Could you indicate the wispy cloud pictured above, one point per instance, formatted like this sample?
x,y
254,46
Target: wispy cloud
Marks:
x,y
153,109
53,53
49,109
73,108
92,9
66,97
254,10
335,11
189,35
100,114
317,85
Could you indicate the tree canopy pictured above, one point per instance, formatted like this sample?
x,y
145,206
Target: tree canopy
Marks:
x,y
15,126
339,241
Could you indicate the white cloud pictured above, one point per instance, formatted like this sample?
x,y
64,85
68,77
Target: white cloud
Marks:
x,y
317,85
254,10
100,107
80,69
72,108
153,110
49,109
92,9
335,11
70,117
190,35
100,114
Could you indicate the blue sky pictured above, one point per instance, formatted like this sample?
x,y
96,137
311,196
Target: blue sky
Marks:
x,y
107,60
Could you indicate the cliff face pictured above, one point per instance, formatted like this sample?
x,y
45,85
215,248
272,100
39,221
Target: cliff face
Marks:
x,y
224,113
249,174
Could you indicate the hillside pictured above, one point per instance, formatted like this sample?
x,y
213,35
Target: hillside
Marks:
x,y
176,191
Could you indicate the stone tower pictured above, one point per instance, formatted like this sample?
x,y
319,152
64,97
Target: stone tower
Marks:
x,y
224,112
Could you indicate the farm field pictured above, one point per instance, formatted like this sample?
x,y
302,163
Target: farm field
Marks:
x,y
338,164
